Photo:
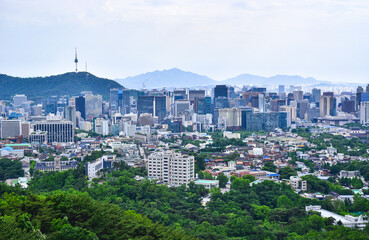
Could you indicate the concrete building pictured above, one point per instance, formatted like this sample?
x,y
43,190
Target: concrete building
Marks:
x,y
298,184
171,168
57,131
349,174
11,128
93,168
19,99
364,112
180,107
327,105
93,105
70,114
101,126
192,94
231,117
291,110
38,137
208,184
347,221
56,165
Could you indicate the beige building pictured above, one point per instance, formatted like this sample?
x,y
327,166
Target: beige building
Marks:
x,y
231,117
291,110
298,184
171,168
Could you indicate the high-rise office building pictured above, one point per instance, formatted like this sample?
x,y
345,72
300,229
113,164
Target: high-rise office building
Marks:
x,y
298,95
301,108
220,91
57,131
19,99
281,89
261,104
291,110
181,107
203,105
231,117
171,168
125,101
180,93
221,102
192,94
160,107
348,106
81,106
276,103
364,112
93,105
70,114
145,104
114,99
327,105
315,95
11,128
359,91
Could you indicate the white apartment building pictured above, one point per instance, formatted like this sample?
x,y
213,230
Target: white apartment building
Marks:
x,y
92,169
364,112
171,168
298,184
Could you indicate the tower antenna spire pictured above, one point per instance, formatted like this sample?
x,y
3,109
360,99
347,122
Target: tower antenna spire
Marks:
x,y
76,60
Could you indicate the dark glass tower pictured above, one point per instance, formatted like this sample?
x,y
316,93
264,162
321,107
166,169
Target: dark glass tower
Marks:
x,y
81,106
220,91
145,104
160,107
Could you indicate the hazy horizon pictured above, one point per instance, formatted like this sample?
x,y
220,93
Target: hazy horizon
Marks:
x,y
327,40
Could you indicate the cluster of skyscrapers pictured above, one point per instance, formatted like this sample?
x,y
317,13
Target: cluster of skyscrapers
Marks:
x,y
129,112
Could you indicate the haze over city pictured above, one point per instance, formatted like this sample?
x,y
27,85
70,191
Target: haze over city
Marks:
x,y
327,40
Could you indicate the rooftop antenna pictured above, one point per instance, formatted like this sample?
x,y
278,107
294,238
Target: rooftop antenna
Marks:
x,y
76,60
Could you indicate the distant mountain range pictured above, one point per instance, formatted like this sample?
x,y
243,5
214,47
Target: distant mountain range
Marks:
x,y
70,84
166,78
178,78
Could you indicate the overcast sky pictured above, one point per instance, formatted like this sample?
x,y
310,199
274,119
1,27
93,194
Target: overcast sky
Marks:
x,y
325,39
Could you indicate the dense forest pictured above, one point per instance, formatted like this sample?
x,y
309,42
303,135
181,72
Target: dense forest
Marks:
x,y
70,84
10,169
117,206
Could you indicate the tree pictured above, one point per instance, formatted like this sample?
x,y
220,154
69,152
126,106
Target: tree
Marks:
x,y
360,204
286,172
261,211
316,222
75,233
223,179
10,169
249,177
240,184
269,166
240,226
284,202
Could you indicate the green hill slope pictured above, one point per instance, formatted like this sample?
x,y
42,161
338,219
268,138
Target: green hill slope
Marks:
x,y
64,84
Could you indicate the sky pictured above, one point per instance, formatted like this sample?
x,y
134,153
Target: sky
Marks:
x,y
325,39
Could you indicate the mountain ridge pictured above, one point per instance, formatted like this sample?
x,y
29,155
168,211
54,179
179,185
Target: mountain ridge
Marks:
x,y
70,83
178,78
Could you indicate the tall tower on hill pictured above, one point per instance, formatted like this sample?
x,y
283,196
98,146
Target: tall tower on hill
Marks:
x,y
76,60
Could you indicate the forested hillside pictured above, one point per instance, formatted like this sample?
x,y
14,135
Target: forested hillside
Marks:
x,y
70,84
117,206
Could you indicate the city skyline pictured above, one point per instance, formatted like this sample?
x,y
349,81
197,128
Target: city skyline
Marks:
x,y
327,41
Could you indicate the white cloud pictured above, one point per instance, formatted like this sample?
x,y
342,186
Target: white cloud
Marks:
x,y
325,39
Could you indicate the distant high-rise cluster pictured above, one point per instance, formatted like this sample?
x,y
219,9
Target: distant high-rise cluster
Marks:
x,y
135,113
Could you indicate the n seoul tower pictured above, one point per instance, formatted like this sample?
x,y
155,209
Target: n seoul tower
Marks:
x,y
76,60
